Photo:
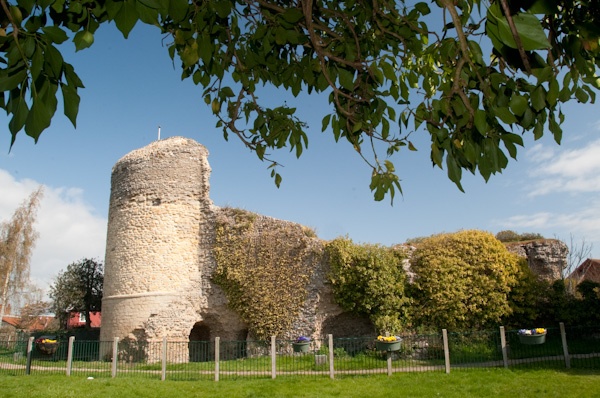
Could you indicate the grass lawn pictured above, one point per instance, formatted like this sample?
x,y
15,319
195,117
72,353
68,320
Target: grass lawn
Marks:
x,y
464,383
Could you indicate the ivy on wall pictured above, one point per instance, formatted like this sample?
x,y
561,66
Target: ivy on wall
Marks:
x,y
264,267
369,279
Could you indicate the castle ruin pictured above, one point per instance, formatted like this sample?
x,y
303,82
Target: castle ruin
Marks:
x,y
159,259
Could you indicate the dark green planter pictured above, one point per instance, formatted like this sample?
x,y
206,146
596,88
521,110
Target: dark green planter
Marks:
x,y
531,339
303,346
387,345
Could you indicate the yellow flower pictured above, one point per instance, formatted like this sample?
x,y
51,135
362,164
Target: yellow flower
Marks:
x,y
540,330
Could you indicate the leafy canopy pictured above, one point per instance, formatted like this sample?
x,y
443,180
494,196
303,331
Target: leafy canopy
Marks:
x,y
475,75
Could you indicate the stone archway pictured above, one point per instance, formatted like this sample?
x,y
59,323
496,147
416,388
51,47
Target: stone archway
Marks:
x,y
345,327
199,347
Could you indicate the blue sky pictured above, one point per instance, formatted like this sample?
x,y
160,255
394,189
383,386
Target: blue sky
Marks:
x,y
132,87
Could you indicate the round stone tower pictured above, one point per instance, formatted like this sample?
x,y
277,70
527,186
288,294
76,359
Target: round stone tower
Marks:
x,y
158,215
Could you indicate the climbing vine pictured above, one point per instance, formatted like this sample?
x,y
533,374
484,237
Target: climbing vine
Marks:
x,y
264,267
369,279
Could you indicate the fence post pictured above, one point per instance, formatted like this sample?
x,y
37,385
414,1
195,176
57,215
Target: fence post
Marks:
x,y
115,358
217,356
163,376
563,336
446,350
273,358
330,346
503,347
70,355
29,352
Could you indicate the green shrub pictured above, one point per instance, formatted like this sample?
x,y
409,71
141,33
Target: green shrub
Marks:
x,y
462,280
369,279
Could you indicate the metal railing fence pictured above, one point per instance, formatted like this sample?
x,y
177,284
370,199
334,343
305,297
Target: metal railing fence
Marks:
x,y
574,347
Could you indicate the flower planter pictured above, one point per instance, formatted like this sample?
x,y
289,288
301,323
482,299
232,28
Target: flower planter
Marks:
x,y
531,339
47,348
387,345
303,346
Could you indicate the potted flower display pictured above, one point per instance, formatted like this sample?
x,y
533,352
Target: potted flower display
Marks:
x,y
301,344
388,343
532,336
47,345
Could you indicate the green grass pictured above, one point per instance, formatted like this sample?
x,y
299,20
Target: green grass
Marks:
x,y
472,383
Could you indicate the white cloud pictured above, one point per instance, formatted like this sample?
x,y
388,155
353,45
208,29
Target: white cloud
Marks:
x,y
67,226
583,223
571,170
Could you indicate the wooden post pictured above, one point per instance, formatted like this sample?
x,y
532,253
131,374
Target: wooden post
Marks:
x,y
504,347
29,352
273,358
115,355
446,350
217,356
330,346
563,337
70,355
163,376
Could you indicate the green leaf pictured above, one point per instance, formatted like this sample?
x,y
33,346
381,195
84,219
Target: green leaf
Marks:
x,y
127,17
325,122
529,28
555,129
55,34
454,172
54,61
538,98
292,15
518,104
20,112
581,95
346,79
11,81
178,10
38,119
70,103
222,7
505,115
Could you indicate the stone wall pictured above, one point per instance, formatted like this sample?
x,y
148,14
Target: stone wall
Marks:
x,y
159,261
159,257
546,257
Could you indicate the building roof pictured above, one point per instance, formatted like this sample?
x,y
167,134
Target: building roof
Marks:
x,y
589,270
40,323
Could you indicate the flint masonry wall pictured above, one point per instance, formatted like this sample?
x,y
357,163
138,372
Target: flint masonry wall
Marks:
x,y
159,262
158,214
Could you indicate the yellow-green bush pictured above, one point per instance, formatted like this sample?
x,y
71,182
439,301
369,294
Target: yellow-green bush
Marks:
x,y
462,280
369,279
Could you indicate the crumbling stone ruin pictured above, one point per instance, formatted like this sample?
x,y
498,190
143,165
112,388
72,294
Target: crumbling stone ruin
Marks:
x,y
160,261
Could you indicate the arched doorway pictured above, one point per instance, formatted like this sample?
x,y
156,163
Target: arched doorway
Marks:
x,y
199,345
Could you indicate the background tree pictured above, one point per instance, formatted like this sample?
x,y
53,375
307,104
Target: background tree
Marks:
x,y
462,280
370,280
17,239
78,288
475,75
512,236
